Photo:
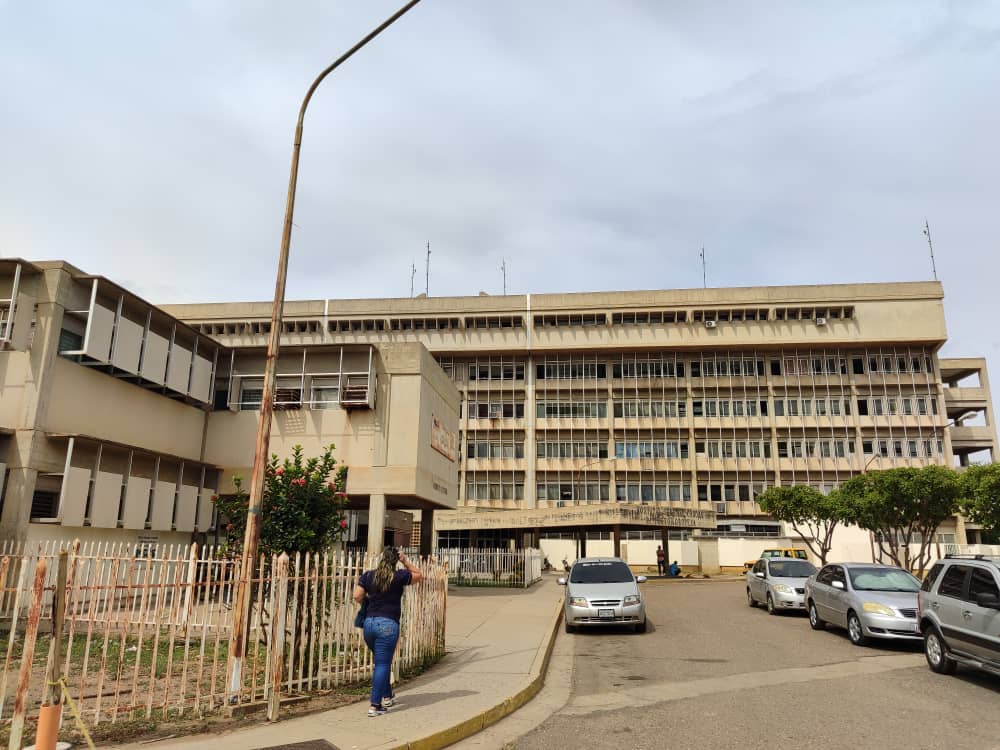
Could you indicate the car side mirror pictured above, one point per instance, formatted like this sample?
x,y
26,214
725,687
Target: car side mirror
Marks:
x,y
838,585
562,581
760,574
640,579
988,601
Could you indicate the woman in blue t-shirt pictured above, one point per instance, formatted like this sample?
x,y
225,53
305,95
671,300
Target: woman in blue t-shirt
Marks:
x,y
384,588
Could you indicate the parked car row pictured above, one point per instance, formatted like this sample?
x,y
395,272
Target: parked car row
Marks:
x,y
955,611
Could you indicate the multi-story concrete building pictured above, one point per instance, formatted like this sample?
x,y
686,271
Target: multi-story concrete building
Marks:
x,y
112,426
685,398
688,401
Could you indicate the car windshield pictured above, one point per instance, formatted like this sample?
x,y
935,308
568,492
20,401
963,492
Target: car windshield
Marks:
x,y
600,572
792,568
882,579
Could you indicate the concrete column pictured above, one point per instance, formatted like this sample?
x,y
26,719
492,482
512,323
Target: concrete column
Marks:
x,y
376,524
18,491
583,543
530,451
961,536
427,532
665,543
616,536
708,556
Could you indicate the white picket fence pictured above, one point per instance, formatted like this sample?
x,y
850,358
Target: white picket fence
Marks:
x,y
503,568
147,630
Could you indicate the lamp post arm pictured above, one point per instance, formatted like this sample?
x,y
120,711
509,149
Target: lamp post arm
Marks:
x,y
344,58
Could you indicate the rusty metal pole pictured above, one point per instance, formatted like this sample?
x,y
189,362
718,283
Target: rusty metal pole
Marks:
x,y
28,655
241,606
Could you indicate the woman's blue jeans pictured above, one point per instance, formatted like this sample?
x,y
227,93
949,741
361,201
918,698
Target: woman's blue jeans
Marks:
x,y
381,635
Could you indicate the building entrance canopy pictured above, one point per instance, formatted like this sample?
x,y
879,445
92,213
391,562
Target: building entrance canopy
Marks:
x,y
596,515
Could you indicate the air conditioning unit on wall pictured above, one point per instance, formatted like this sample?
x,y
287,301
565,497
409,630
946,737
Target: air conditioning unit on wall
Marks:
x,y
720,508
821,321
711,324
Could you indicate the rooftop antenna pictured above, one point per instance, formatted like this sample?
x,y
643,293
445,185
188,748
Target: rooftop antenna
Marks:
x,y
927,233
427,281
413,273
704,277
503,268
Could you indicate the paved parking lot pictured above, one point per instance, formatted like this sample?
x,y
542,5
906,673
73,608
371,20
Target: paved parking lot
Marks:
x,y
713,673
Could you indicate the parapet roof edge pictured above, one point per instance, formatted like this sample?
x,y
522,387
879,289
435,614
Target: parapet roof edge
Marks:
x,y
718,296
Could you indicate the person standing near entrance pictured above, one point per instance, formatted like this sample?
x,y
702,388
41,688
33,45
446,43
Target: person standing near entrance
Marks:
x,y
661,561
383,588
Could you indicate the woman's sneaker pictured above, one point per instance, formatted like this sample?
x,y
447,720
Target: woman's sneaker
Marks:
x,y
389,702
374,711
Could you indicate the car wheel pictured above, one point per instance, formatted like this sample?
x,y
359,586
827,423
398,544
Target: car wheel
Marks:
x,y
770,606
854,630
641,627
569,628
814,622
937,654
750,599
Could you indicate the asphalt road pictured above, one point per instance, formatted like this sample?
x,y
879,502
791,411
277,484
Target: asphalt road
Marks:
x,y
713,673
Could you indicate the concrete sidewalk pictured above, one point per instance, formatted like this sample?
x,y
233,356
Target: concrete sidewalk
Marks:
x,y
498,643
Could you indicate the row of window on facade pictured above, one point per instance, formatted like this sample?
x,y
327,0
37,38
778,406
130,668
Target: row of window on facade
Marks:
x,y
501,538
500,488
324,393
170,496
359,325
672,366
590,319
652,408
626,449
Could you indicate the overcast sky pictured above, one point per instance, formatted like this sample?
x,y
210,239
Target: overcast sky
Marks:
x,y
593,145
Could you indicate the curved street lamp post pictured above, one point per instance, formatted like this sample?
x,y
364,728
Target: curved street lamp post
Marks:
x,y
241,607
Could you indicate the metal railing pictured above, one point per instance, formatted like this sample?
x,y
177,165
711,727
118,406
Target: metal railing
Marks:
x,y
502,568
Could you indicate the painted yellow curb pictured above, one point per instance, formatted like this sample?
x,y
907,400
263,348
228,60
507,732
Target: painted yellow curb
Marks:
x,y
490,716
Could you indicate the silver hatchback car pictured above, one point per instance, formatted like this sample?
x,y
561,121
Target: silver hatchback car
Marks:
x,y
871,601
602,591
779,583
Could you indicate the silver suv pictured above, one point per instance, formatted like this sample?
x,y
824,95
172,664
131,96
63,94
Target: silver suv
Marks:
x,y
959,605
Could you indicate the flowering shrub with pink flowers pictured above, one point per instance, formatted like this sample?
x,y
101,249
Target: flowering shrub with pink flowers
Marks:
x,y
302,508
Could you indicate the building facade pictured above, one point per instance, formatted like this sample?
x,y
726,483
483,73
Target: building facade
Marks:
x,y
684,398
692,400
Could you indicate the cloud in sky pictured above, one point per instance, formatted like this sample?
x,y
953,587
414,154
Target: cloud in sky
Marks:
x,y
594,145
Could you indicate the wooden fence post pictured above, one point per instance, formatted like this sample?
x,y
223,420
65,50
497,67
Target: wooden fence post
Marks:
x,y
277,640
444,611
28,654
50,714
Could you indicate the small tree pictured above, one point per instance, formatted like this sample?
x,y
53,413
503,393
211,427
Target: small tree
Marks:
x,y
813,515
901,506
981,495
302,508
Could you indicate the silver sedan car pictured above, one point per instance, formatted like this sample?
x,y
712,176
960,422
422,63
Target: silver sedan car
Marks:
x,y
871,601
602,591
779,584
